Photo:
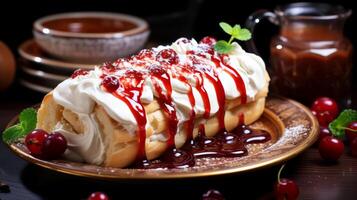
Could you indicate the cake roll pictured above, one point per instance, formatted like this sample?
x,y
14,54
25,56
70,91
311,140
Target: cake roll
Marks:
x,y
139,107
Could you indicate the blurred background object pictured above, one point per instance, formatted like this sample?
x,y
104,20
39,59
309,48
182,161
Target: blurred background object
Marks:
x,y
65,42
90,37
40,72
7,66
310,57
167,20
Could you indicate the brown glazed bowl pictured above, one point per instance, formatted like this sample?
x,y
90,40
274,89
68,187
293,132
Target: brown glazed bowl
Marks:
x,y
90,37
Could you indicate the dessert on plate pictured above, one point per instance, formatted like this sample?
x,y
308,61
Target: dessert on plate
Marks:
x,y
139,107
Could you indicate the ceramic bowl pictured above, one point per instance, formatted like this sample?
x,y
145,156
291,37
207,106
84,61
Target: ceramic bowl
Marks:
x,y
90,37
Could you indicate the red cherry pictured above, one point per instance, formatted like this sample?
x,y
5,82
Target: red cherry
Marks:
x,y
54,146
145,53
183,40
210,51
156,70
324,118
351,135
131,79
79,72
353,146
110,83
167,56
323,104
133,74
331,148
286,189
98,196
325,109
109,67
34,142
212,195
208,40
324,131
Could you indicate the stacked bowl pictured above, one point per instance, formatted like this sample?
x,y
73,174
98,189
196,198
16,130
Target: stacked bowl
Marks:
x,y
65,42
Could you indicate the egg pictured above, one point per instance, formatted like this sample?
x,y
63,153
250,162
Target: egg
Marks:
x,y
7,67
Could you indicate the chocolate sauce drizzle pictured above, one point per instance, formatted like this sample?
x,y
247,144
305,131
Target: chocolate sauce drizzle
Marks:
x,y
224,144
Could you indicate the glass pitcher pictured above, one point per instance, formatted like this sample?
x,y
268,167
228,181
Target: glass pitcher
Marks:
x,y
310,56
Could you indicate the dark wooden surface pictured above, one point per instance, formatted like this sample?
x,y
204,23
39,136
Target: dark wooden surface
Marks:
x,y
316,179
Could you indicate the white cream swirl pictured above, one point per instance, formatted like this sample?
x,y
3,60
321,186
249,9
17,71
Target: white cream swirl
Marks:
x,y
80,145
80,94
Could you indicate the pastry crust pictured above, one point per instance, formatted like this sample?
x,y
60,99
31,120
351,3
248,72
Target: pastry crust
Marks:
x,y
121,147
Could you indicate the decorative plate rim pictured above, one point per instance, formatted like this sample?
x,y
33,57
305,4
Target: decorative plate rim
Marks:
x,y
307,142
46,60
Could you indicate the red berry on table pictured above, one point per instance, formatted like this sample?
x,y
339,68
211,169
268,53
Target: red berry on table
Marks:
x,y
325,109
323,104
212,195
331,148
54,146
167,56
353,146
324,131
208,40
286,189
110,83
324,118
351,131
34,142
98,196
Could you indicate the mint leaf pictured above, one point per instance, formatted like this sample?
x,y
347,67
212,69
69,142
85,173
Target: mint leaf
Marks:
x,y
235,31
27,122
12,133
28,119
226,27
339,125
243,34
223,47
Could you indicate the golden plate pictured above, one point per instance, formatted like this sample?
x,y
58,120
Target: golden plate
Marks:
x,y
292,126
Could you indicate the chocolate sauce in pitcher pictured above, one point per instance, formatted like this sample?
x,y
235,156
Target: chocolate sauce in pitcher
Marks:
x,y
311,61
310,56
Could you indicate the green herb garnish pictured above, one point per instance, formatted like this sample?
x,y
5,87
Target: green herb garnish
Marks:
x,y
339,125
27,123
236,32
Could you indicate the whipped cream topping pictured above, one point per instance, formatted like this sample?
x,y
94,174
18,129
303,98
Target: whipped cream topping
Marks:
x,y
87,146
188,72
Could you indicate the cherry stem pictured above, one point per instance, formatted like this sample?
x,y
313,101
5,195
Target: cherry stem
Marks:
x,y
280,170
349,129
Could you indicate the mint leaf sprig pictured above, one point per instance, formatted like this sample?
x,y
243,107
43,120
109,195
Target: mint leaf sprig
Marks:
x,y
339,125
27,123
236,32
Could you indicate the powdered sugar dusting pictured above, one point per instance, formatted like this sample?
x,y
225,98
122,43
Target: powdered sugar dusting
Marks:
x,y
290,136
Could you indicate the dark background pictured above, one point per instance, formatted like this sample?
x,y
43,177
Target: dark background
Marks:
x,y
168,19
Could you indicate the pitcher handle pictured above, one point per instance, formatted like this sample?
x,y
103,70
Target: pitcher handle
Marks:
x,y
253,20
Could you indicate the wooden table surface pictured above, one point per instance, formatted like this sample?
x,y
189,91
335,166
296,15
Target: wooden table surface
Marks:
x,y
316,179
